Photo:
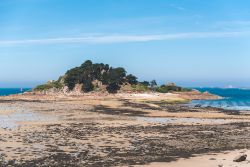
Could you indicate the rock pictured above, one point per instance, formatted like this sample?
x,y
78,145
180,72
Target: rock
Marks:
x,y
240,158
198,106
206,148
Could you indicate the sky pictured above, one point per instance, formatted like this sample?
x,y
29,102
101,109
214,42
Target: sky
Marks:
x,y
194,43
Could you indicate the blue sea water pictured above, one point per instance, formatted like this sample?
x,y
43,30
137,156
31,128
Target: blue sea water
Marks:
x,y
10,91
233,98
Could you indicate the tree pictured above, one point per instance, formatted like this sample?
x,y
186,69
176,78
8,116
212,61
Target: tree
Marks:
x,y
131,79
72,78
115,78
87,86
105,78
116,75
153,84
145,83
86,64
88,72
113,87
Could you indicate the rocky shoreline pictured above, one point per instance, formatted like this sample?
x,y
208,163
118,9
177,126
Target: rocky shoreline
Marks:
x,y
104,131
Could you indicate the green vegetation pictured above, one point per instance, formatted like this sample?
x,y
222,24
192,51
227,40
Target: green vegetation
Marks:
x,y
171,88
87,86
140,87
88,72
101,76
153,85
145,83
131,79
49,85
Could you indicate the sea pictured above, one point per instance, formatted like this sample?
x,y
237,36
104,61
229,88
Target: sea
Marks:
x,y
232,98
10,91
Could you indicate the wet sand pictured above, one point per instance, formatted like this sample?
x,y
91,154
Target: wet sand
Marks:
x,y
113,130
223,159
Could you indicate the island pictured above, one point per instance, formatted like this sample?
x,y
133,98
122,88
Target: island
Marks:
x,y
98,115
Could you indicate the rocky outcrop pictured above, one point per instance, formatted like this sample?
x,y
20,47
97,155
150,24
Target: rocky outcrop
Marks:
x,y
197,95
240,158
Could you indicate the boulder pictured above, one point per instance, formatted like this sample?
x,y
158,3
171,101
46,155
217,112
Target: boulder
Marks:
x,y
240,158
198,106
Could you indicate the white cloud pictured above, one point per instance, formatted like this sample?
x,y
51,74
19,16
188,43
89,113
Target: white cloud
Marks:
x,y
123,38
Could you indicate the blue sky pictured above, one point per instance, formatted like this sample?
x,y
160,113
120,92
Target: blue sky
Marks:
x,y
190,42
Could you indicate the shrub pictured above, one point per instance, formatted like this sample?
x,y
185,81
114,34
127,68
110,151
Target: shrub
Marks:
x,y
43,87
171,88
49,85
113,87
162,90
140,87
145,83
131,79
87,86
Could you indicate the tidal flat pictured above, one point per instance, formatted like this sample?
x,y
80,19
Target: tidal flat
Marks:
x,y
113,130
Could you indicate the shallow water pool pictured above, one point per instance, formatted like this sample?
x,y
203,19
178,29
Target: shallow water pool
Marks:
x,y
12,119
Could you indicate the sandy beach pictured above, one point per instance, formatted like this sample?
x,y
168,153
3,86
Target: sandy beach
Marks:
x,y
119,130
207,160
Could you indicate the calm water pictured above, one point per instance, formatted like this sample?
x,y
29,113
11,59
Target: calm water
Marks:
x,y
11,116
17,114
235,99
10,91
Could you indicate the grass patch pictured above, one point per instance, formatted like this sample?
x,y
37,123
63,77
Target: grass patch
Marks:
x,y
171,88
140,88
49,85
